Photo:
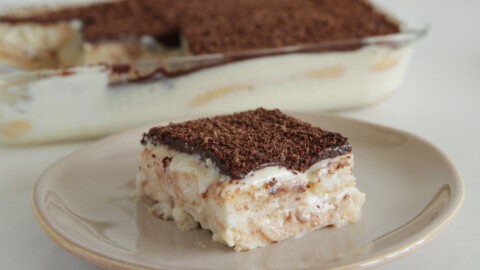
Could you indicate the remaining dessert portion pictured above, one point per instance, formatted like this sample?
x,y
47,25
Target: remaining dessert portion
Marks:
x,y
252,178
305,55
131,30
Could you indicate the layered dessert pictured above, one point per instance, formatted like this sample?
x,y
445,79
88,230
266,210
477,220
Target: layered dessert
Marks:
x,y
212,56
251,178
130,30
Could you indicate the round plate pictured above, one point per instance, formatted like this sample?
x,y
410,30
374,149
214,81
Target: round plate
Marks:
x,y
85,203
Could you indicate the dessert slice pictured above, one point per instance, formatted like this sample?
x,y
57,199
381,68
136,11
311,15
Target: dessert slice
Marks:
x,y
252,178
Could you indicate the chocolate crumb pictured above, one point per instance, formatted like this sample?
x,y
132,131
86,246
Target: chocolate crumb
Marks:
x,y
120,68
66,72
244,142
271,183
166,161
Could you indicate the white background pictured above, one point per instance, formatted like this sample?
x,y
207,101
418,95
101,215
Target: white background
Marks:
x,y
439,101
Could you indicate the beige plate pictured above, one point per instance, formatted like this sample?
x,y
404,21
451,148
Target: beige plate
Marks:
x,y
84,203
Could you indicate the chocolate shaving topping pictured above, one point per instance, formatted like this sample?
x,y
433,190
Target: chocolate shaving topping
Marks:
x,y
251,24
244,142
213,26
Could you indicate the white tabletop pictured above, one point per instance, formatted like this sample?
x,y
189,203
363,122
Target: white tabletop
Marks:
x,y
439,101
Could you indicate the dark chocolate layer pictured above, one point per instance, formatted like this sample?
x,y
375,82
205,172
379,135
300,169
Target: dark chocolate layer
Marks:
x,y
244,142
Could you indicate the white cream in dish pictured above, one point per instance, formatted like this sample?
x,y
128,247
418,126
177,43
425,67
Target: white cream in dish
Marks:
x,y
83,104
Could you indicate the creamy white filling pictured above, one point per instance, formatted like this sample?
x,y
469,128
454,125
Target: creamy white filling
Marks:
x,y
222,215
83,105
207,173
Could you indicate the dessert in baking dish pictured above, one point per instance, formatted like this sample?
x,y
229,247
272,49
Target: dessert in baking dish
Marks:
x,y
213,56
130,30
252,178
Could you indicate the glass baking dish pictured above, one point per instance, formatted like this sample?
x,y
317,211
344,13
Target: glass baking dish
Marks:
x,y
91,101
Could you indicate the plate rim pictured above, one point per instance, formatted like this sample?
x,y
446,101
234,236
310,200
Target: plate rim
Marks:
x,y
408,246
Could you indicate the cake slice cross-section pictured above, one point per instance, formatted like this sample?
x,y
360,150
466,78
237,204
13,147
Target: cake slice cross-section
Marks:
x,y
251,178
